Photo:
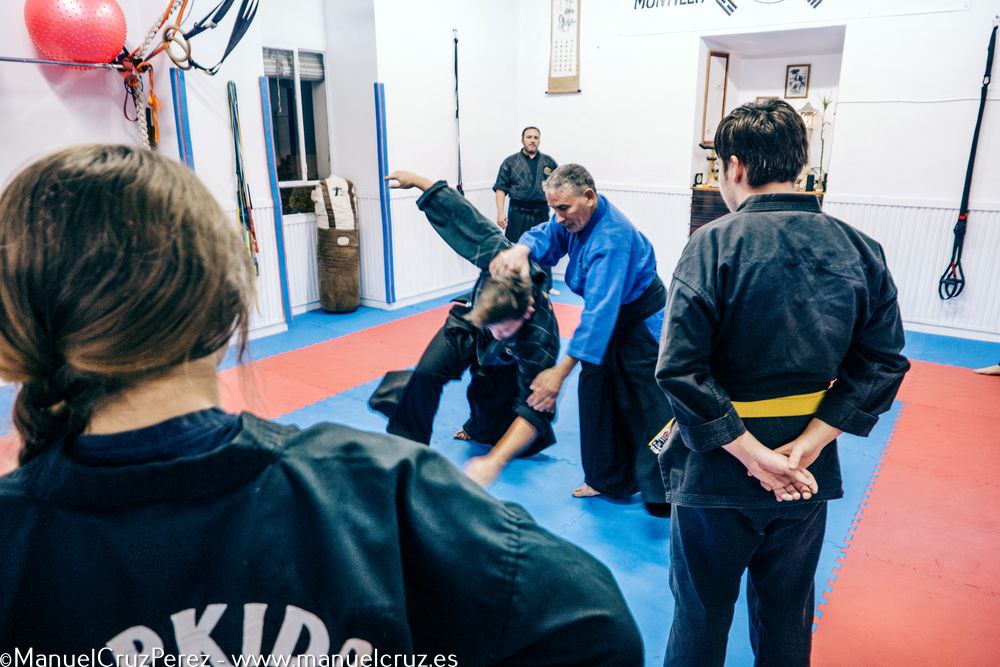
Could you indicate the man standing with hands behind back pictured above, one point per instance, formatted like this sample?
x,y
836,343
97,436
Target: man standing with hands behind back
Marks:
x,y
521,177
767,306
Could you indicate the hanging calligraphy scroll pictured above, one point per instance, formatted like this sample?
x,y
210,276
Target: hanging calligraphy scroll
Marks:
x,y
564,51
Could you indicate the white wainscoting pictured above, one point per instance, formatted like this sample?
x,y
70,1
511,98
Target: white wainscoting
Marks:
x,y
662,214
300,261
917,238
425,267
370,240
424,264
266,317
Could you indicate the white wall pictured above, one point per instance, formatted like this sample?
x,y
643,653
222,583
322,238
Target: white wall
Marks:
x,y
416,64
46,108
634,117
886,147
352,70
908,160
409,48
299,24
212,143
633,126
756,77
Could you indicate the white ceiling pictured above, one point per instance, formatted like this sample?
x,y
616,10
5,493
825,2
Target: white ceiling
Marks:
x,y
781,42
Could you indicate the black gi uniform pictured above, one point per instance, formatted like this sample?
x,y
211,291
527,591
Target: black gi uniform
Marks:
x,y
502,370
774,300
521,178
264,539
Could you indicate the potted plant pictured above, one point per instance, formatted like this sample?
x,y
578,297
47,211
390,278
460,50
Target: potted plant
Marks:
x,y
821,172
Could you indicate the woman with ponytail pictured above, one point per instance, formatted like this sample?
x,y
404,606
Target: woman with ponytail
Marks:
x,y
146,520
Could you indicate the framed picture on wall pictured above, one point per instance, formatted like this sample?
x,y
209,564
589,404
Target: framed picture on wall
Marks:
x,y
716,78
797,81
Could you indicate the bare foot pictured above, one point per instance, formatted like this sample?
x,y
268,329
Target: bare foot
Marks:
x,y
989,370
460,434
585,491
482,470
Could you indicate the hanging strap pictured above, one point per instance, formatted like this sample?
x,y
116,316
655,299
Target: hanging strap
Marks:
x,y
244,17
952,281
458,125
212,19
244,204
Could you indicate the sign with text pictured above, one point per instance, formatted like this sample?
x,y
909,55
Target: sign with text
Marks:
x,y
647,17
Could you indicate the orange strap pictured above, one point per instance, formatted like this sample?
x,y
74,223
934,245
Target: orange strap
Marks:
x,y
163,21
152,101
154,104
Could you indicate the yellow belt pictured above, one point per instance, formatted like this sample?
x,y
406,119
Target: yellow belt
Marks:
x,y
784,406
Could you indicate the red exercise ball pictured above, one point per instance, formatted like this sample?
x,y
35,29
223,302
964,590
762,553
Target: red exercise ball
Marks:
x,y
84,31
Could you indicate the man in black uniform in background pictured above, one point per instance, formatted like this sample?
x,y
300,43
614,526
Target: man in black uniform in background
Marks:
x,y
520,177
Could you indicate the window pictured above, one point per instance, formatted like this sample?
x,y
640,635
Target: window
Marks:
x,y
297,84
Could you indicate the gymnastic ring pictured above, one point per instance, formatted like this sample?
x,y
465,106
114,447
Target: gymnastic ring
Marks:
x,y
173,35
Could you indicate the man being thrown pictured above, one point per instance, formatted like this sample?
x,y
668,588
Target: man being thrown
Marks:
x,y
506,337
613,267
766,307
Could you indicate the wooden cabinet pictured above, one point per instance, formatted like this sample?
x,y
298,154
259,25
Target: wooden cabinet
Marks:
x,y
707,205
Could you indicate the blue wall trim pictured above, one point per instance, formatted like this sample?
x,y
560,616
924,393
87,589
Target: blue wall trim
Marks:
x,y
272,172
178,87
383,191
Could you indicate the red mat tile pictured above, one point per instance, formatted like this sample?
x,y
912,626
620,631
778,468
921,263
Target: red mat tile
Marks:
x,y
920,583
10,445
886,615
264,392
948,443
951,386
287,382
568,318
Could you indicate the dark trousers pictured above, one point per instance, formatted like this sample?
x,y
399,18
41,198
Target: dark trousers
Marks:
x,y
491,393
621,410
520,220
709,550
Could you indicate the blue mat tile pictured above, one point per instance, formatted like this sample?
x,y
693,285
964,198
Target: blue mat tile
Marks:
x,y
952,351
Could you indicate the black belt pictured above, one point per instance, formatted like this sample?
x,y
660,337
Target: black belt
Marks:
x,y
533,206
650,302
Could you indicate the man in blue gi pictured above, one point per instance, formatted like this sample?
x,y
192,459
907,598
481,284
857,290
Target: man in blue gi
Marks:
x,y
613,267
767,306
